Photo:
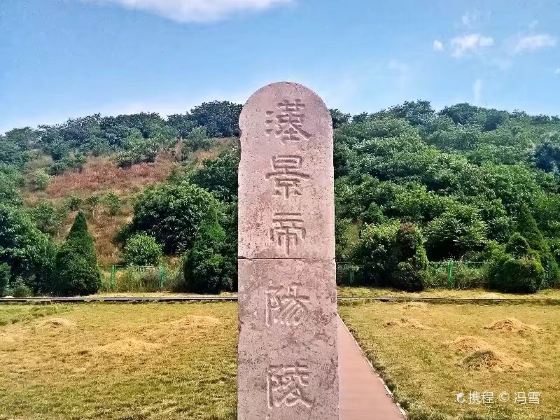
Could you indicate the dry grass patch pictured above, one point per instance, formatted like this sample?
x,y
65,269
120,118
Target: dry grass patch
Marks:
x,y
457,352
151,361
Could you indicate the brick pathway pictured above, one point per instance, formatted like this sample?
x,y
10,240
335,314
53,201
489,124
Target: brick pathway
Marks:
x,y
362,394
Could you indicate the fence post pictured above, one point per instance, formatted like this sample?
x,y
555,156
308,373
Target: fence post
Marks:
x,y
450,273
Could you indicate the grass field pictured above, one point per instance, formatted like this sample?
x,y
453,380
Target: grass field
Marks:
x,y
160,361
429,353
151,361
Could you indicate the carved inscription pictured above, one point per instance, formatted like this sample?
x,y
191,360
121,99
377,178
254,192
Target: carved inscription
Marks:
x,y
286,122
286,383
286,174
286,306
287,230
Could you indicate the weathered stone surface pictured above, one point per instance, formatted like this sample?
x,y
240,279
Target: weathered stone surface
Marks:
x,y
287,340
286,177
287,354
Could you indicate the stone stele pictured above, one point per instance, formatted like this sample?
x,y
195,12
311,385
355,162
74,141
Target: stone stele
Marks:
x,y
287,354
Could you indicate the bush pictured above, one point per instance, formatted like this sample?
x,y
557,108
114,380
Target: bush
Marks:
x,y
142,249
136,280
207,267
19,289
197,139
76,271
518,275
173,214
40,180
517,268
393,255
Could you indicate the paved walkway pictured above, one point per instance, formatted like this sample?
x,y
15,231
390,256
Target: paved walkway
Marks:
x,y
362,394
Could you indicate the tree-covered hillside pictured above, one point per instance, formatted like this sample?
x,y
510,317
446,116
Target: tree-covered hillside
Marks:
x,y
413,186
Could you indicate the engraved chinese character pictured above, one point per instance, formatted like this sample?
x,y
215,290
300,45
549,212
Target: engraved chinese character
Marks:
x,y
286,306
287,123
286,175
288,230
285,385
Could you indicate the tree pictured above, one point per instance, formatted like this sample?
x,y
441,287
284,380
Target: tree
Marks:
x,y
48,218
173,214
219,175
142,250
220,118
76,271
207,267
4,277
28,252
339,118
455,233
393,255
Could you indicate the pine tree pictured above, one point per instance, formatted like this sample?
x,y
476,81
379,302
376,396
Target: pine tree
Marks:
x,y
76,262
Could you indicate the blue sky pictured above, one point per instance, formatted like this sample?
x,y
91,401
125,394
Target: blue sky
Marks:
x,y
69,58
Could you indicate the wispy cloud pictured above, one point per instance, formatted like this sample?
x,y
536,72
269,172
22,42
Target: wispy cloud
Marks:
x,y
438,45
195,10
534,42
557,71
477,91
470,43
469,18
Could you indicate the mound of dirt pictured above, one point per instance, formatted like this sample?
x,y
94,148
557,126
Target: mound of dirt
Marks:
x,y
406,322
128,347
511,325
469,343
57,323
494,361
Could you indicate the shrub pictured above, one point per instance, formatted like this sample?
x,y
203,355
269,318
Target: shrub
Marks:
x,y
142,249
173,215
517,268
518,275
76,271
197,139
206,267
19,289
393,255
40,180
113,204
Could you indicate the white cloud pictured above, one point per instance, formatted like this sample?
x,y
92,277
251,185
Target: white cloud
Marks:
x,y
196,10
557,71
438,45
469,18
534,42
469,43
477,91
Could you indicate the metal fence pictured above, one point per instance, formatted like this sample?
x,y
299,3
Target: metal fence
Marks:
x,y
452,274
137,278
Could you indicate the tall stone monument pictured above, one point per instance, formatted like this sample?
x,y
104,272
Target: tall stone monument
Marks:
x,y
287,350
